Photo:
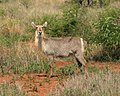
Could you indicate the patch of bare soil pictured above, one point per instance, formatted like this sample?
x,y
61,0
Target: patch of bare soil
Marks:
x,y
39,84
5,78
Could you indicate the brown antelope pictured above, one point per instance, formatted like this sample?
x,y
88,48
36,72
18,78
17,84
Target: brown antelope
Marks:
x,y
59,47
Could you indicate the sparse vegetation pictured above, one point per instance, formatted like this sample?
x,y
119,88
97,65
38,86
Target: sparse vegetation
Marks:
x,y
67,70
21,59
99,84
7,89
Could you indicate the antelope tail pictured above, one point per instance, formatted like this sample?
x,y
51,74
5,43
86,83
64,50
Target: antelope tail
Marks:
x,y
82,44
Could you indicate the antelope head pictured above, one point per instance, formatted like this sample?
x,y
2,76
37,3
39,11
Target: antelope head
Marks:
x,y
39,29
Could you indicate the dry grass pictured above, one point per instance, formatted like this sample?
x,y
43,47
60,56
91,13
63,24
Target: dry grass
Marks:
x,y
16,15
8,89
15,26
96,85
22,58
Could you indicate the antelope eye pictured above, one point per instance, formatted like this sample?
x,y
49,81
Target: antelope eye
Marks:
x,y
36,27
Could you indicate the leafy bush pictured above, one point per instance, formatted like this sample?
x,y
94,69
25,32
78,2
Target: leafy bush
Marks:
x,y
65,25
67,70
109,32
72,22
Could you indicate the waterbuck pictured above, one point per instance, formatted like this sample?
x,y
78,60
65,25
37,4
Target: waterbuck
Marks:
x,y
59,47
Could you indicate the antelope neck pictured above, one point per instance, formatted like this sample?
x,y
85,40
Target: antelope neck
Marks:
x,y
39,42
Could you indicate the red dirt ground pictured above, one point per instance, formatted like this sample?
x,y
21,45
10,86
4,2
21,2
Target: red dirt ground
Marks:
x,y
39,84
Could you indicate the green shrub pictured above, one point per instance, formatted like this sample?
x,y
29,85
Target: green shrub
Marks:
x,y
2,11
93,69
70,17
109,32
8,39
65,25
67,70
72,22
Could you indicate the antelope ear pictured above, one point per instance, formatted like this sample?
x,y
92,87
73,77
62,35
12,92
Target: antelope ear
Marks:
x,y
33,25
45,24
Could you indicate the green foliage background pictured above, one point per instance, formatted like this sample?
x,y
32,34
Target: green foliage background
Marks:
x,y
98,24
75,21
109,32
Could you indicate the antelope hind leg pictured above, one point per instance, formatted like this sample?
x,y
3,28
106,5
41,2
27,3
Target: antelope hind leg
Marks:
x,y
81,64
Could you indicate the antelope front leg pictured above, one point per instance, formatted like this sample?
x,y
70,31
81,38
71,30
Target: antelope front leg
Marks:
x,y
86,72
51,70
51,61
